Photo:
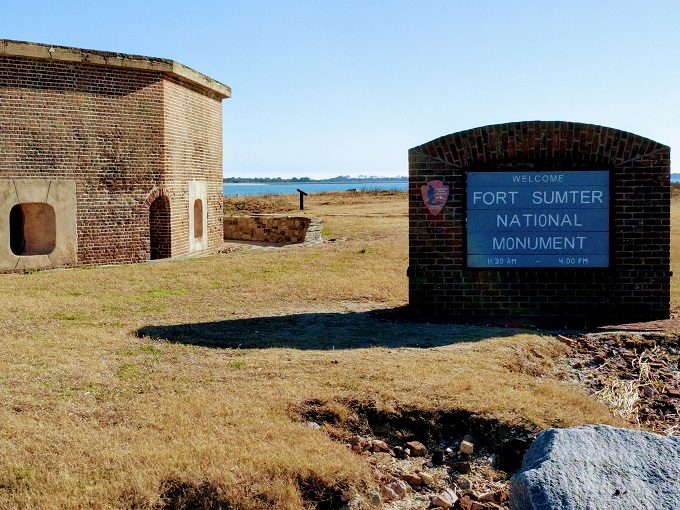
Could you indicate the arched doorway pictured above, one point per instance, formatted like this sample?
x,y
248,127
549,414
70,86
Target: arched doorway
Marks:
x,y
159,228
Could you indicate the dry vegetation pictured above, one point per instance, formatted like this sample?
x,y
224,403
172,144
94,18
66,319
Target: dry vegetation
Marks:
x,y
96,415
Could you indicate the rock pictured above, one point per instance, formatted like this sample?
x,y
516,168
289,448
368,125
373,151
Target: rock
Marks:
x,y
379,446
395,490
400,453
463,483
469,438
357,444
445,499
313,425
486,496
465,503
374,498
427,479
599,467
417,449
388,494
438,457
467,447
648,391
412,479
349,494
462,466
501,496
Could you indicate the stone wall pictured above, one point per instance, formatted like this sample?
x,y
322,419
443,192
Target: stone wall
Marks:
x,y
636,286
272,229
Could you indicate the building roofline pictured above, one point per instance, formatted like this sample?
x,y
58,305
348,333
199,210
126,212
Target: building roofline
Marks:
x,y
25,49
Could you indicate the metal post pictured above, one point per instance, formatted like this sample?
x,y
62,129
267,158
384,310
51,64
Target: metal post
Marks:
x,y
302,199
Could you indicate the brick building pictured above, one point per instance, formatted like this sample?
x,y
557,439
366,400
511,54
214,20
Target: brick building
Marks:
x,y
106,158
631,279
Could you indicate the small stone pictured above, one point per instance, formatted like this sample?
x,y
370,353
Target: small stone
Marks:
x,y
648,391
438,457
445,499
400,452
349,494
467,447
313,425
486,497
388,494
357,444
427,479
463,483
395,490
374,498
412,479
462,467
417,448
469,438
501,495
478,505
465,503
379,446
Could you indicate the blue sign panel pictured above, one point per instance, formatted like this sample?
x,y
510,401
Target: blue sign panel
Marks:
x,y
538,219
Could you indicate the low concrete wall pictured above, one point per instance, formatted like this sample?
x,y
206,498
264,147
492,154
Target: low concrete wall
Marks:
x,y
272,229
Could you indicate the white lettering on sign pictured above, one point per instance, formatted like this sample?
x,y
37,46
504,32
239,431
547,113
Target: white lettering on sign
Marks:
x,y
567,197
534,243
538,178
494,197
538,220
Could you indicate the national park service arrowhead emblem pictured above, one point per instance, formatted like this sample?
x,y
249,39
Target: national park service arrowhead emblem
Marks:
x,y
435,193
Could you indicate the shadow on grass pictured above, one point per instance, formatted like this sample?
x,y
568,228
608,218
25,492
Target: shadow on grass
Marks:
x,y
323,331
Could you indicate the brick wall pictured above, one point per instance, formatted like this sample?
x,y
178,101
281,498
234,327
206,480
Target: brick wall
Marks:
x,y
636,286
124,136
97,126
193,142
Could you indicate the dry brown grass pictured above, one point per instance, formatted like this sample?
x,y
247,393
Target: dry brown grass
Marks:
x,y
94,416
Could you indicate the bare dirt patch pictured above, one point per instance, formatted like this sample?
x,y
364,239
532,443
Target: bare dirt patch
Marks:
x,y
416,455
636,374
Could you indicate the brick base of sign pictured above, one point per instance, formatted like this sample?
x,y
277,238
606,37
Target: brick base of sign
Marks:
x,y
635,286
272,229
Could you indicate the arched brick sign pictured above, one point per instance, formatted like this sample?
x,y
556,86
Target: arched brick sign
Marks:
x,y
540,220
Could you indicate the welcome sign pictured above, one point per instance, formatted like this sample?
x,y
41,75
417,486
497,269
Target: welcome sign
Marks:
x,y
538,219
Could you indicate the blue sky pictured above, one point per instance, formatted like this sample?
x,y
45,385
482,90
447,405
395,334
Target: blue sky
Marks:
x,y
326,88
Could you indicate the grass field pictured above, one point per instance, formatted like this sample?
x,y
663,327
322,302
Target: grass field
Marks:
x,y
98,412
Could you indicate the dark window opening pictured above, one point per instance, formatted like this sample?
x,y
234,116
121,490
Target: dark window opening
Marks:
x,y
159,228
198,218
32,229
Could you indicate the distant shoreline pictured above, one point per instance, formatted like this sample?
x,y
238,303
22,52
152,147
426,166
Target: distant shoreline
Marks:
x,y
304,183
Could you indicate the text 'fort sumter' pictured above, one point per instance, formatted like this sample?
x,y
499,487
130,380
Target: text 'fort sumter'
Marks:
x,y
538,219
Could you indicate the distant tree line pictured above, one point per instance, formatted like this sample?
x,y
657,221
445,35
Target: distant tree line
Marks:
x,y
339,178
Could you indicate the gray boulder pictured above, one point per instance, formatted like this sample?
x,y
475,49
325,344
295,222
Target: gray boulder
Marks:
x,y
598,467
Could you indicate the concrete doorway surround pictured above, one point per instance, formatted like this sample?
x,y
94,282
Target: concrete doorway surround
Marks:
x,y
198,216
37,224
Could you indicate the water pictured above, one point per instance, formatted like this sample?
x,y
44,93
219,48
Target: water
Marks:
x,y
290,188
675,178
